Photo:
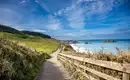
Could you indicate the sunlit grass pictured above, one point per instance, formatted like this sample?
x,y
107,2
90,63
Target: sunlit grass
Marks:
x,y
120,57
18,62
37,43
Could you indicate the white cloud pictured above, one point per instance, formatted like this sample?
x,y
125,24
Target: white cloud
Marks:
x,y
84,10
39,30
76,18
43,5
13,19
85,34
24,1
74,14
48,22
52,23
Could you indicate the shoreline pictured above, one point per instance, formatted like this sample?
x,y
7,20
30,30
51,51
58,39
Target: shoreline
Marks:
x,y
113,50
79,49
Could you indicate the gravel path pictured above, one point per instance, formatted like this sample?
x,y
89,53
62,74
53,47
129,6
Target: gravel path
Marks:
x,y
53,70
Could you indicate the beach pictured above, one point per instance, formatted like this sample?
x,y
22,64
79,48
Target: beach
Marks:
x,y
78,49
99,45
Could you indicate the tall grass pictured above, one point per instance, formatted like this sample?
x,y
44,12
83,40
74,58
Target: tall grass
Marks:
x,y
17,62
120,56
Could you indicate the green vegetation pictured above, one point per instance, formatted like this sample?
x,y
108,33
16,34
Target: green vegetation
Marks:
x,y
120,57
33,40
36,34
23,53
17,62
4,28
36,43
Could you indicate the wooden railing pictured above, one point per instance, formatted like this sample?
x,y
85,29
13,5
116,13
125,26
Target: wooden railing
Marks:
x,y
123,68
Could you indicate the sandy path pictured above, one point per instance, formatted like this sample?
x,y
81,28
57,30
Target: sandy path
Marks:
x,y
52,70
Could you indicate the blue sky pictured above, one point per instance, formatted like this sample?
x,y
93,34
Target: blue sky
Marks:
x,y
69,19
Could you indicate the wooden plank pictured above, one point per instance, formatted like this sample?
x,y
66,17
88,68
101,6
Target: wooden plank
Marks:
x,y
89,77
102,75
126,76
107,64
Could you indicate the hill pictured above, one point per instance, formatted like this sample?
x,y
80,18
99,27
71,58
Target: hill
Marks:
x,y
17,62
36,34
33,40
4,28
22,54
8,29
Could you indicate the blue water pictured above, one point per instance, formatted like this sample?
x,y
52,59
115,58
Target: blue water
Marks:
x,y
98,45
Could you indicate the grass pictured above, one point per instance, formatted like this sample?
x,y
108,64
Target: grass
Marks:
x,y
120,57
36,43
18,62
22,55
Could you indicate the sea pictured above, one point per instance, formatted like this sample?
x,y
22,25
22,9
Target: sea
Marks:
x,y
98,45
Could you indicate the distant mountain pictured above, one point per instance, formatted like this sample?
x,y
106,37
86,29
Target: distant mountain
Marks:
x,y
8,29
36,34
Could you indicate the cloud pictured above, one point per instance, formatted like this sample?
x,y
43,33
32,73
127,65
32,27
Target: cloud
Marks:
x,y
83,19
16,20
23,1
43,5
76,18
103,33
52,23
39,30
123,30
48,22
81,11
74,15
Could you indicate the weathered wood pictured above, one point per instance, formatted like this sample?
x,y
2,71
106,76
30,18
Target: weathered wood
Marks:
x,y
102,75
107,64
126,76
105,76
89,77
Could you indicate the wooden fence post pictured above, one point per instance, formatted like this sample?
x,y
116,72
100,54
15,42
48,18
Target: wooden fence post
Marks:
x,y
126,76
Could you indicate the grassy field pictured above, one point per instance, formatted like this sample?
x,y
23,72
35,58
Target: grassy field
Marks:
x,y
35,43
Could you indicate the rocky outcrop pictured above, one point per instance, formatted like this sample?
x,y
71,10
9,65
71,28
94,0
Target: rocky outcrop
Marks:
x,y
86,43
109,41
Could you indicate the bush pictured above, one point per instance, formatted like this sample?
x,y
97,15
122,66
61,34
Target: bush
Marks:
x,y
19,63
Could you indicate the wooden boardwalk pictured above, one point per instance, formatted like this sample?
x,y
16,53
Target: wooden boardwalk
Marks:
x,y
53,70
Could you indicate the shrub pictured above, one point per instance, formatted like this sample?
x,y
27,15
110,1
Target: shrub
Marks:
x,y
19,63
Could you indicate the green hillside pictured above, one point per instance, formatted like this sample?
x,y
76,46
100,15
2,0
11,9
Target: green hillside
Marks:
x,y
30,40
19,63
36,34
4,28
23,53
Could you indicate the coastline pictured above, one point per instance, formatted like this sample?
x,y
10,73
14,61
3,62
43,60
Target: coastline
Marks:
x,y
79,49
